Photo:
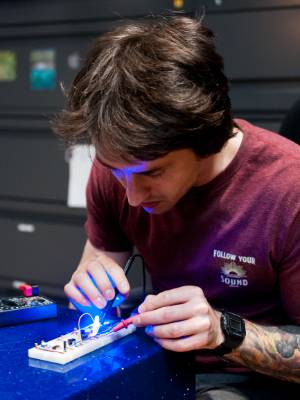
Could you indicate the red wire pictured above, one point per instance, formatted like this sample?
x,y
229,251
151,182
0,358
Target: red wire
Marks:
x,y
123,324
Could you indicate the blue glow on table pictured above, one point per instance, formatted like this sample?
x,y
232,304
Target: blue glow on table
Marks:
x,y
134,367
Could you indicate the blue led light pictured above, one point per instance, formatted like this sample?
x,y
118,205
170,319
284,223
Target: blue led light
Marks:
x,y
148,210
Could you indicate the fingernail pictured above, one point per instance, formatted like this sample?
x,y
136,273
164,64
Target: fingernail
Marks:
x,y
109,294
124,288
85,302
100,302
141,308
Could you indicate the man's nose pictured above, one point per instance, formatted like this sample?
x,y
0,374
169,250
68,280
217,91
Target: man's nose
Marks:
x,y
135,190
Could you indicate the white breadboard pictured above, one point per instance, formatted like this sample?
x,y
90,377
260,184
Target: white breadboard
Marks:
x,y
71,346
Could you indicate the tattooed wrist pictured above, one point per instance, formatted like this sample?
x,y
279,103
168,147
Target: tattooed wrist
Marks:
x,y
272,350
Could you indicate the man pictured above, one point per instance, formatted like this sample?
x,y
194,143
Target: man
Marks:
x,y
211,203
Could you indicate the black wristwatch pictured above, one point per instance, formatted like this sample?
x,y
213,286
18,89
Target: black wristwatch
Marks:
x,y
233,328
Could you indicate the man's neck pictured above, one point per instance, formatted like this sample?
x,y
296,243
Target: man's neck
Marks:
x,y
212,166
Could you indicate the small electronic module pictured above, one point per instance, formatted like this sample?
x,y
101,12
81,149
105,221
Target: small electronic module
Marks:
x,y
81,341
20,309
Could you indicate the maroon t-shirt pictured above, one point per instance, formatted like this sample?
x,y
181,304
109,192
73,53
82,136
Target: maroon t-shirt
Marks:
x,y
237,237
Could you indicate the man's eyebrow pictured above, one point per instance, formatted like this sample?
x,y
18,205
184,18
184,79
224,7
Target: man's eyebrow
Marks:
x,y
146,172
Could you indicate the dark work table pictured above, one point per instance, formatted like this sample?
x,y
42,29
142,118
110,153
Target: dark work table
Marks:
x,y
134,367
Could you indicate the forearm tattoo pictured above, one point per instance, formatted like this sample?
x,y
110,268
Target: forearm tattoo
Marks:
x,y
274,351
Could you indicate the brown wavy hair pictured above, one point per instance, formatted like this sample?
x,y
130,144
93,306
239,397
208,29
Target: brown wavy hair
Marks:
x,y
147,88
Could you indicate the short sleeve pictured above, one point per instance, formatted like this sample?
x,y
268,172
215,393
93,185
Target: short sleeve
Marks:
x,y
104,197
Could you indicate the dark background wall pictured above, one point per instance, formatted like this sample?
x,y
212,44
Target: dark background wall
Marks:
x,y
41,239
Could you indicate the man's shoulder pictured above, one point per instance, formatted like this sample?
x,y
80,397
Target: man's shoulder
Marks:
x,y
271,152
273,161
272,142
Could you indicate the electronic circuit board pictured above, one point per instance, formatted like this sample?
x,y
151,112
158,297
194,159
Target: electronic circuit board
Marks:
x,y
20,309
73,345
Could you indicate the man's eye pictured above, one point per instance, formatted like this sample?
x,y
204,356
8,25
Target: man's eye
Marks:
x,y
155,174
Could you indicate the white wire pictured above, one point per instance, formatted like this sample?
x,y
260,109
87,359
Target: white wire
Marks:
x,y
81,317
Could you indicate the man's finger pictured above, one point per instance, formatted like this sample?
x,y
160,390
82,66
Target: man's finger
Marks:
x,y
180,329
84,283
189,343
73,293
169,314
170,297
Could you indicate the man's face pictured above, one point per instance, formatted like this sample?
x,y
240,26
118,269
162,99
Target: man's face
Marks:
x,y
157,185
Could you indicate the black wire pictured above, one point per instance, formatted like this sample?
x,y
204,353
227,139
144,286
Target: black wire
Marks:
x,y
144,280
129,264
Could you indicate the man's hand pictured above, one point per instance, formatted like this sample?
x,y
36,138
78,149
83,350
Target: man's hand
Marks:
x,y
90,282
181,320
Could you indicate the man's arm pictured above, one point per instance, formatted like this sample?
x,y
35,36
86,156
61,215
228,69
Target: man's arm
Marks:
x,y
182,320
274,351
96,264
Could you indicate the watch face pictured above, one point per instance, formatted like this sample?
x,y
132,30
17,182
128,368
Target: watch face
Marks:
x,y
236,325
233,326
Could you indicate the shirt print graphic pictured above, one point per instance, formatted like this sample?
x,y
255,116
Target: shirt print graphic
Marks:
x,y
233,272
